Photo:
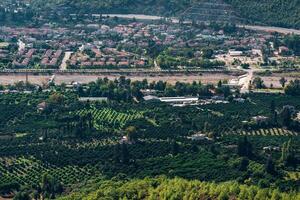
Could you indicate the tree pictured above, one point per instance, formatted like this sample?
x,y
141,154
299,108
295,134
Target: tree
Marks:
x,y
244,164
117,153
229,28
272,106
56,99
258,83
23,195
245,148
207,53
270,166
288,155
282,82
273,112
131,133
220,84
293,88
245,65
286,115
293,42
175,148
50,186
124,154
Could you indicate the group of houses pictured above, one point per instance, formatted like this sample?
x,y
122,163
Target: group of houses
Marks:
x,y
107,57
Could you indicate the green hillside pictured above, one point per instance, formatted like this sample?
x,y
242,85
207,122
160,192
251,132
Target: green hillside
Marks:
x,y
273,12
177,188
268,12
154,7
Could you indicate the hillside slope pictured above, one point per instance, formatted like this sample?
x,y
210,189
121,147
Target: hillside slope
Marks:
x,y
267,12
272,12
177,188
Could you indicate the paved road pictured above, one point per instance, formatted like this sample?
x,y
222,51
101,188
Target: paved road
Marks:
x,y
132,16
272,29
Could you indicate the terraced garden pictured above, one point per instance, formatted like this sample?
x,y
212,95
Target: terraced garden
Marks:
x,y
107,117
265,132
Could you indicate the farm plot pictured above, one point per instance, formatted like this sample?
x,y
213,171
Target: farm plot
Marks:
x,y
109,118
265,132
293,175
28,171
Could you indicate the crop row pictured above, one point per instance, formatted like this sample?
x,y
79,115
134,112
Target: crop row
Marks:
x,y
265,132
109,117
28,171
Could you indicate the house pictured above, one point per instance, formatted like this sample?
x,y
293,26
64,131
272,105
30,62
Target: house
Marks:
x,y
150,97
149,92
234,53
123,64
179,99
239,100
260,119
42,106
124,140
283,50
298,116
256,52
93,99
197,137
271,148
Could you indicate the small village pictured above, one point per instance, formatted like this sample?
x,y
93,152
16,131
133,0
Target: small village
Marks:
x,y
117,44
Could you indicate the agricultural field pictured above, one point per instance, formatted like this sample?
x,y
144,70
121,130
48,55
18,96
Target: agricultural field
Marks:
x,y
77,142
266,132
103,118
27,171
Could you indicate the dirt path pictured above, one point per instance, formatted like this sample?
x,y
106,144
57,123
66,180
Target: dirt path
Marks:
x,y
156,66
67,56
245,81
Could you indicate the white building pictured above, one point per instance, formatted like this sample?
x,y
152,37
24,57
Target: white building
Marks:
x,y
235,53
179,99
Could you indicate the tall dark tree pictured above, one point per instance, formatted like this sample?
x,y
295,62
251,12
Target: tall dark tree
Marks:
x,y
244,164
117,153
50,186
125,157
270,166
272,106
286,115
245,148
23,195
175,148
282,82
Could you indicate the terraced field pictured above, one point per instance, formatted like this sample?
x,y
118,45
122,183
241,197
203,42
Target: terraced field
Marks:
x,y
265,132
28,171
103,118
211,10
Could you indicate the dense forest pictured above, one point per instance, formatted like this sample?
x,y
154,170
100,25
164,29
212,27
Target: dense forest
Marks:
x,y
269,12
273,12
159,7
